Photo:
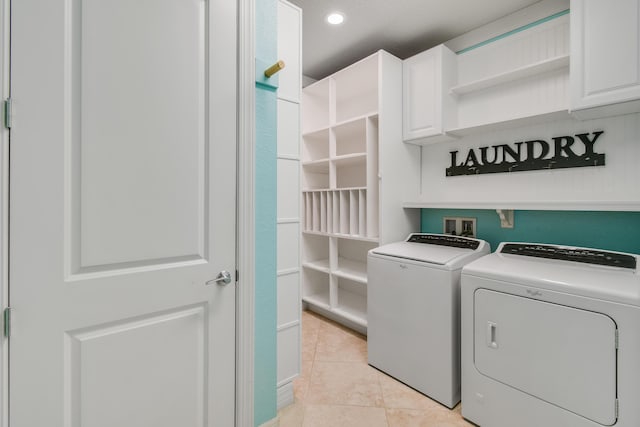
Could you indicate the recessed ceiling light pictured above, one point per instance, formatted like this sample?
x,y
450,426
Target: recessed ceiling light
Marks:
x,y
335,18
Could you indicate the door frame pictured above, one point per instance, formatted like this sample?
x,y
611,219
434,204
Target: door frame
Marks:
x,y
245,196
4,207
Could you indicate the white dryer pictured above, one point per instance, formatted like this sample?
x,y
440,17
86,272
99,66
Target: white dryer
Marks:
x,y
551,337
413,311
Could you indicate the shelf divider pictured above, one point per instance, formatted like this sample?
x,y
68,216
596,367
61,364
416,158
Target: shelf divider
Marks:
x,y
321,265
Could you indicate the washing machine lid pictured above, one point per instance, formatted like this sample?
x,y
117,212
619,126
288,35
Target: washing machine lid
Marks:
x,y
437,249
612,276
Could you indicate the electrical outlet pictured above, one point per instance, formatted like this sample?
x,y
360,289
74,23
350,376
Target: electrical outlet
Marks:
x,y
458,226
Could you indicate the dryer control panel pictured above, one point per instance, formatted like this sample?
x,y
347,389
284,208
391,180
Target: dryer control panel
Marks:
x,y
563,253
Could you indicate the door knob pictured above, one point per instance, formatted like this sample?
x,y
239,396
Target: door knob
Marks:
x,y
223,278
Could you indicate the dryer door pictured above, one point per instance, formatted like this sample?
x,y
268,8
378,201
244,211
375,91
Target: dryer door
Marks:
x,y
562,355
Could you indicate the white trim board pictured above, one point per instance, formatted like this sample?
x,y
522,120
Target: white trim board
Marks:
x,y
245,313
285,395
4,205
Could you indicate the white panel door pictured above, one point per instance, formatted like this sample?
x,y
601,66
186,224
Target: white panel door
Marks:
x,y
122,208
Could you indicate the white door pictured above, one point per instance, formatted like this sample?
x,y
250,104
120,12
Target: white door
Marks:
x,y
122,206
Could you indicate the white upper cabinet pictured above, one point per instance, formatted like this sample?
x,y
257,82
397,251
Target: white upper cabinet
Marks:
x,y
428,107
605,57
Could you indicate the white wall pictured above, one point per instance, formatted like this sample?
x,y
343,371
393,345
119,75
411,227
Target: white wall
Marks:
x,y
610,187
520,18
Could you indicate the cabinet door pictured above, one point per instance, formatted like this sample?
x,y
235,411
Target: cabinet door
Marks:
x,y
605,54
562,355
426,96
289,50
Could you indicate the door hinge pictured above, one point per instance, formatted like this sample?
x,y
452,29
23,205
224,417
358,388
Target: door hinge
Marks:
x,y
7,322
237,276
7,113
617,409
617,339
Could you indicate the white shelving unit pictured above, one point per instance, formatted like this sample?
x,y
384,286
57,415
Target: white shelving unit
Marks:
x,y
514,80
351,134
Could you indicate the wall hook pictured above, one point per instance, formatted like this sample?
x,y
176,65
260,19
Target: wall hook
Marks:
x,y
506,217
274,68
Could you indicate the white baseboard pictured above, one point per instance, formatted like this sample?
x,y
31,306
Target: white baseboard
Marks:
x,y
285,395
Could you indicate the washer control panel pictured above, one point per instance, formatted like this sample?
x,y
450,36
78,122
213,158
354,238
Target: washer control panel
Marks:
x,y
444,240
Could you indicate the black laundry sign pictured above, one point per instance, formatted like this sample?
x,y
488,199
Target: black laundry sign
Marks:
x,y
562,152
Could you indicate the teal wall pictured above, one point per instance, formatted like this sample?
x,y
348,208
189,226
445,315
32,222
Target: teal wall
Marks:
x,y
266,211
615,231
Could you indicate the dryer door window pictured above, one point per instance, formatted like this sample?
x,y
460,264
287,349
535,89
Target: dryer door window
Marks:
x,y
562,355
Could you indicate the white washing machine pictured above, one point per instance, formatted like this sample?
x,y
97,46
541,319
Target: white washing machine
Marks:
x,y
413,316
551,337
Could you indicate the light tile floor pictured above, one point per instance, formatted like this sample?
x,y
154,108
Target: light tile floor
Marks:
x,y
337,388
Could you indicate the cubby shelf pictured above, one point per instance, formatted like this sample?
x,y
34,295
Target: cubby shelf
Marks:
x,y
320,165
338,212
321,265
354,119
351,307
352,270
320,300
343,236
350,159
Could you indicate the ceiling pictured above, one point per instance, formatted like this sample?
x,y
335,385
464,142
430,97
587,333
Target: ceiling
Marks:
x,y
401,27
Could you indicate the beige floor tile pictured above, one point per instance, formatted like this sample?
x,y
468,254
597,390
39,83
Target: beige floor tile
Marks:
x,y
344,416
309,342
397,395
312,321
292,415
337,388
300,388
429,418
341,345
344,383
